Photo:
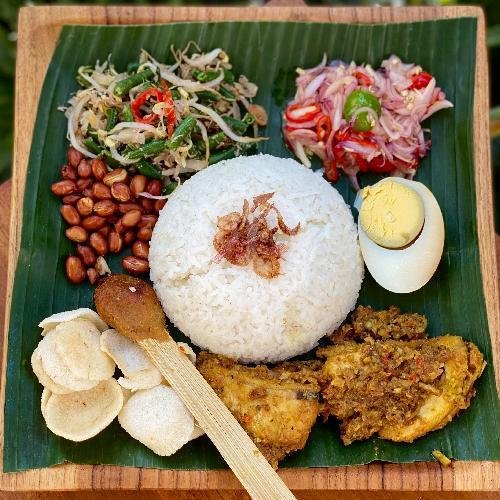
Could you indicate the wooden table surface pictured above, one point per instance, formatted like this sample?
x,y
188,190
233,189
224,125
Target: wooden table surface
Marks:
x,y
44,25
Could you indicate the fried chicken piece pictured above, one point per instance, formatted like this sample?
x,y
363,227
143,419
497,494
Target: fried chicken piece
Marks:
x,y
399,390
381,325
277,407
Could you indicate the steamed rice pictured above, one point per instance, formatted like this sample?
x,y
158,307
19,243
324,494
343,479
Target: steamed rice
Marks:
x,y
229,309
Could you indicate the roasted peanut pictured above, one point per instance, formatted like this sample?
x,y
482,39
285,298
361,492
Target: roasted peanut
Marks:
x,y
82,184
70,214
119,227
159,204
138,184
133,265
120,192
130,219
93,222
148,204
148,220
105,208
99,169
76,234
140,249
63,188
115,242
70,199
116,175
68,172
104,230
101,191
88,193
84,169
259,113
74,157
87,255
154,187
92,275
144,234
129,237
99,243
75,270
85,206
127,207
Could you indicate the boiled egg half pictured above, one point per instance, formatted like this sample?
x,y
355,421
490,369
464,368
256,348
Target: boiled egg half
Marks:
x,y
401,233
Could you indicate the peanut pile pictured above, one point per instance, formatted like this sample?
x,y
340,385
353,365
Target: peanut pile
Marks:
x,y
105,214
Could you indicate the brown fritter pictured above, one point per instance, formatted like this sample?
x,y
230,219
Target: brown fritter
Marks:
x,y
277,407
397,389
381,325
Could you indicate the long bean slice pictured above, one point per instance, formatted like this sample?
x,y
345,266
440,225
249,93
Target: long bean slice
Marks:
x,y
176,95
214,141
223,155
150,149
238,126
92,146
112,118
127,113
206,95
228,76
169,188
148,169
226,93
181,133
108,158
249,119
205,76
123,86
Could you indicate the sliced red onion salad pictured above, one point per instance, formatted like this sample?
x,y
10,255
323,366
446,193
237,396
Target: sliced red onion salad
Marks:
x,y
314,122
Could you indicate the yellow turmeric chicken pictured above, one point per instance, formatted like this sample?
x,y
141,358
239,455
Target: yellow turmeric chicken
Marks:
x,y
277,407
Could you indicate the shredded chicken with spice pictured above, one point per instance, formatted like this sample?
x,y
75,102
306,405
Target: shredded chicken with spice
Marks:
x,y
397,389
381,325
246,237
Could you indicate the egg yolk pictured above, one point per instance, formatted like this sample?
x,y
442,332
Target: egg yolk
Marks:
x,y
392,214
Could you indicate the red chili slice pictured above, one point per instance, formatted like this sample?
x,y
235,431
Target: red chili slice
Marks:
x,y
323,127
299,113
161,95
142,99
380,165
332,172
363,79
420,81
170,108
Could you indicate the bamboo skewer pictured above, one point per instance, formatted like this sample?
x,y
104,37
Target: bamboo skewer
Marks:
x,y
130,305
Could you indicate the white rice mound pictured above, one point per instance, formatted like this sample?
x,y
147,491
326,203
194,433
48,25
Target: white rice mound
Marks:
x,y
229,309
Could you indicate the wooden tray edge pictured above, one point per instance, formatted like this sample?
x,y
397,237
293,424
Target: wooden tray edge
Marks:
x,y
419,476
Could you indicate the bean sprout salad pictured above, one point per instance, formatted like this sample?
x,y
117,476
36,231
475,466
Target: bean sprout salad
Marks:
x,y
357,119
166,121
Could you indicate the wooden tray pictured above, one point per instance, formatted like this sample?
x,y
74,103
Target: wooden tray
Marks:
x,y
38,31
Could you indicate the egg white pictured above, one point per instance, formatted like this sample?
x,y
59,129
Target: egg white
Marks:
x,y
408,269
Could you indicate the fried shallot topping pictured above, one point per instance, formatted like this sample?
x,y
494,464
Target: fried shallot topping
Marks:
x,y
244,238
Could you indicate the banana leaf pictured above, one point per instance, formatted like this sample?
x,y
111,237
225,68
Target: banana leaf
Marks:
x,y
268,53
